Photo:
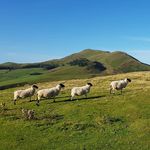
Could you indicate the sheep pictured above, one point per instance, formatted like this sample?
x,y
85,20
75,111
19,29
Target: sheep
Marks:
x,y
19,94
78,91
119,85
48,93
28,114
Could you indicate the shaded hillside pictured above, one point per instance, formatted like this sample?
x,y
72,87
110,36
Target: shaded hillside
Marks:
x,y
13,66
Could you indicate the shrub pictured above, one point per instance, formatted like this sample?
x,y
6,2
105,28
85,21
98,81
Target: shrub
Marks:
x,y
80,62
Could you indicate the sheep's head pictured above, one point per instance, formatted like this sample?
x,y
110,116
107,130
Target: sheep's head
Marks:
x,y
127,80
90,84
62,85
35,86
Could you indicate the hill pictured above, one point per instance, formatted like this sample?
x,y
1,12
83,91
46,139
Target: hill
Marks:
x,y
115,62
85,64
102,121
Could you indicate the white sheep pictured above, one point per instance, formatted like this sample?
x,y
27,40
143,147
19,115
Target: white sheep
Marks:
x,y
19,94
49,93
119,85
78,91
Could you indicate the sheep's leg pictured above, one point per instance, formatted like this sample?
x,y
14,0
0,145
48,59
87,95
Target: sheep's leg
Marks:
x,y
113,91
86,96
121,91
72,96
14,101
30,99
54,99
110,91
38,102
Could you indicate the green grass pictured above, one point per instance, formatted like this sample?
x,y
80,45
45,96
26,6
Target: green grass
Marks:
x,y
20,75
103,121
57,74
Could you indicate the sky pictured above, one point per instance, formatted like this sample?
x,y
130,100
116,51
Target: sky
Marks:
x,y
39,30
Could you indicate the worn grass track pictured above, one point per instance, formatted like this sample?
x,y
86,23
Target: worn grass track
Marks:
x,y
102,121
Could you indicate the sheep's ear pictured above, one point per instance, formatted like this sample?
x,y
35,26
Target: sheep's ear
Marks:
x,y
129,79
35,86
90,84
62,85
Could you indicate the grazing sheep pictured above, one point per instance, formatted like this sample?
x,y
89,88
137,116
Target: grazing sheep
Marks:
x,y
28,114
48,93
119,85
19,94
78,91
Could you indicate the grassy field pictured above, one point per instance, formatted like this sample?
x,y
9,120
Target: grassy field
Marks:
x,y
25,75
100,122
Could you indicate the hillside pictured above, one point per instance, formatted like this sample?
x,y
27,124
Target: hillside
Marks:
x,y
102,121
85,64
115,62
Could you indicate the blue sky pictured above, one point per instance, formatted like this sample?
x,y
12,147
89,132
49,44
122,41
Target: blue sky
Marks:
x,y
38,30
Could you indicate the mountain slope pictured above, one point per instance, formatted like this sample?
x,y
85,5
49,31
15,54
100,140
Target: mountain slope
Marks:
x,y
115,62
85,64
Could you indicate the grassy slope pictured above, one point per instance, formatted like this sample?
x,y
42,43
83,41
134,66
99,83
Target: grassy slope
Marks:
x,y
60,73
102,121
19,75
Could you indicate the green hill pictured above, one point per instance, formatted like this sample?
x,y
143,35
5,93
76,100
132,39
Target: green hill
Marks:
x,y
85,64
115,62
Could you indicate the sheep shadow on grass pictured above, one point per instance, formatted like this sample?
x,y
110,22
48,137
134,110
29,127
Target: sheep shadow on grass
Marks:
x,y
81,98
68,99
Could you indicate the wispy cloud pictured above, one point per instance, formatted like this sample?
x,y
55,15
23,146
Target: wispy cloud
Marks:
x,y
142,55
142,39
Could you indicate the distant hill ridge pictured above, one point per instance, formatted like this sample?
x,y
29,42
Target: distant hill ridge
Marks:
x,y
114,62
84,64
